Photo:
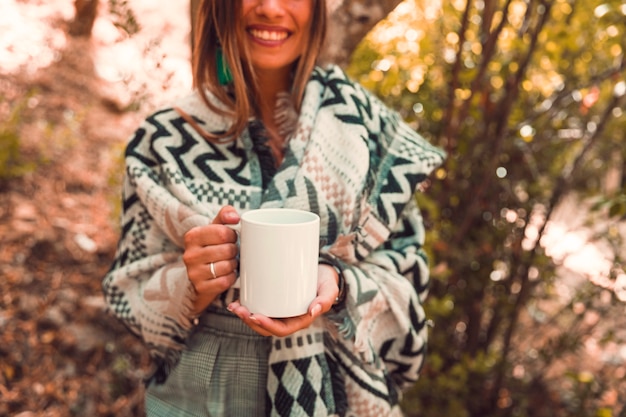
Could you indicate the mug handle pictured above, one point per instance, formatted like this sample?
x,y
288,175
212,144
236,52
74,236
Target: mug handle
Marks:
x,y
236,228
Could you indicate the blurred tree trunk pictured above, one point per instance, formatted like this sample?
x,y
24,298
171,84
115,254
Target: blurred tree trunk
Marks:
x,y
86,12
350,21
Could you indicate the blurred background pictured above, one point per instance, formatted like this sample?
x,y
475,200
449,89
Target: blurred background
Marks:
x,y
526,219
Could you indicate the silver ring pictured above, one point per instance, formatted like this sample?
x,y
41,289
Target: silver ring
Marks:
x,y
213,270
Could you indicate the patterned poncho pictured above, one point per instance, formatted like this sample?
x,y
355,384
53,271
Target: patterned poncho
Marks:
x,y
352,161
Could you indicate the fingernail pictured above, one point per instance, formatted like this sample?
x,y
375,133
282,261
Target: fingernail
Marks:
x,y
315,311
253,318
230,308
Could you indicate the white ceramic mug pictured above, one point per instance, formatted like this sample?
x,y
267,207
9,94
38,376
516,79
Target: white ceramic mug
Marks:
x,y
279,250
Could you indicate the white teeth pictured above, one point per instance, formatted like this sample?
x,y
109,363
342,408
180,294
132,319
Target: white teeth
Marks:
x,y
267,35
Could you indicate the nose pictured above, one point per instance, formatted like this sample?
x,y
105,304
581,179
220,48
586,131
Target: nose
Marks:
x,y
270,8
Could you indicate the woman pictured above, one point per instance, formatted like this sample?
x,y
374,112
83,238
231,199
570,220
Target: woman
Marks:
x,y
267,128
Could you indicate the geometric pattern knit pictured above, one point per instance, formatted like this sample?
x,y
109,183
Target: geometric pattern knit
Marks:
x,y
351,160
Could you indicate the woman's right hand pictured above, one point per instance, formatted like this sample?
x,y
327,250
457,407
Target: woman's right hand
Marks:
x,y
214,244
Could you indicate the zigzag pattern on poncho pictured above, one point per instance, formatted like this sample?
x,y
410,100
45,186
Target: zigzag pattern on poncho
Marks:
x,y
351,160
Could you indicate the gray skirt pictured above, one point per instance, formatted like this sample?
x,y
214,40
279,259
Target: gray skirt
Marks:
x,y
222,372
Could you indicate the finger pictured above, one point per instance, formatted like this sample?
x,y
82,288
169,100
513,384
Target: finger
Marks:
x,y
220,268
201,257
235,306
212,267
227,215
252,323
244,314
211,234
327,290
269,326
282,327
215,286
326,294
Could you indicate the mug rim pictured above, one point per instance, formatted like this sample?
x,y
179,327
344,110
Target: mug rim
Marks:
x,y
308,217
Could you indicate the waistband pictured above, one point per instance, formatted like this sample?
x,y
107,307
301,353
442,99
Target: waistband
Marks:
x,y
222,320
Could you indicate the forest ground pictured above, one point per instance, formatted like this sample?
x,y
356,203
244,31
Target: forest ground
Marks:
x,y
62,355
73,103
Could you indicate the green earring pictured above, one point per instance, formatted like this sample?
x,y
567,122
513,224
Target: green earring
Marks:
x,y
224,75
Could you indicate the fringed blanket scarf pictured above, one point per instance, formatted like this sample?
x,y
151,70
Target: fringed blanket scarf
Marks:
x,y
352,161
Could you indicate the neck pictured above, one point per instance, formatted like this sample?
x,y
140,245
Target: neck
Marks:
x,y
270,83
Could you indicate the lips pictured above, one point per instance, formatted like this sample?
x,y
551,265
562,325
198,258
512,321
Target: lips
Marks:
x,y
268,35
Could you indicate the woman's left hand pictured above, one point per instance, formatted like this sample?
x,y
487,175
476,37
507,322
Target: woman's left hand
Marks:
x,y
327,291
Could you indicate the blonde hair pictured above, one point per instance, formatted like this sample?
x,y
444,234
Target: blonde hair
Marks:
x,y
218,28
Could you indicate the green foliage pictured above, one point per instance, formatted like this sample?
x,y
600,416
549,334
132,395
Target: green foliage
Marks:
x,y
12,163
115,179
528,99
616,206
25,150
122,383
124,17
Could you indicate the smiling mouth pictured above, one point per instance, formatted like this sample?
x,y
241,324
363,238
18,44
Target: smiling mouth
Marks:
x,y
268,35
